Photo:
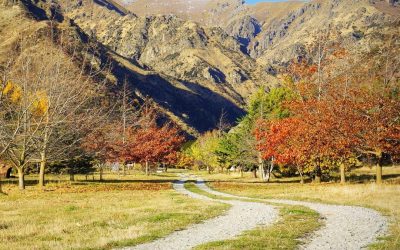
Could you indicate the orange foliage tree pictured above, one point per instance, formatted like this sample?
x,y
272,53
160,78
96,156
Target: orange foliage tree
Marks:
x,y
336,117
279,140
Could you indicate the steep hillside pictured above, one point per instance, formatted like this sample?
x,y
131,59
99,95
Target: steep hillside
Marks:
x,y
206,12
194,78
358,22
206,62
276,32
202,56
211,12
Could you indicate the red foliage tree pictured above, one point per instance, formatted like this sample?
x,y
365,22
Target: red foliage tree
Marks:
x,y
155,144
146,144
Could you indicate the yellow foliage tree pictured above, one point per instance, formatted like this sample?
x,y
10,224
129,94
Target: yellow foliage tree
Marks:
x,y
40,104
13,91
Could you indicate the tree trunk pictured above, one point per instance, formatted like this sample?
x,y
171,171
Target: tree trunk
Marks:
x,y
147,168
21,179
43,163
241,172
261,167
342,174
101,173
255,173
318,173
72,177
208,170
261,170
269,171
166,168
1,189
267,176
301,178
379,173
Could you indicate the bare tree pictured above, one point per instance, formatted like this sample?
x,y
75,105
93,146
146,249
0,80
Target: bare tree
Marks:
x,y
21,120
73,109
223,124
48,103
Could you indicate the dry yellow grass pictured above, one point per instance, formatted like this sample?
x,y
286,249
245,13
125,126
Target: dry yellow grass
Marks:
x,y
384,198
85,215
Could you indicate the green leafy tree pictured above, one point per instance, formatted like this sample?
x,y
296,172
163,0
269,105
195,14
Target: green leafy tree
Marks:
x,y
204,151
264,104
78,165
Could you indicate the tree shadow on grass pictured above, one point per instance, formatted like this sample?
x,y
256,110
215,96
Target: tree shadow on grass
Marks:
x,y
365,178
14,181
352,178
156,181
283,181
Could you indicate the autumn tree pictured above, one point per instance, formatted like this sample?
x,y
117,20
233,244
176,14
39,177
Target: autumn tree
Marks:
x,y
24,115
282,140
379,110
184,160
156,144
143,139
112,141
339,115
379,117
265,104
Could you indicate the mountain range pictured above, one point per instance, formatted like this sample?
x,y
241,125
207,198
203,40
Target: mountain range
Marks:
x,y
197,59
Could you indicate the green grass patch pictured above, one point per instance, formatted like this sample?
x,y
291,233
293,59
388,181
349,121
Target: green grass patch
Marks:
x,y
191,186
71,208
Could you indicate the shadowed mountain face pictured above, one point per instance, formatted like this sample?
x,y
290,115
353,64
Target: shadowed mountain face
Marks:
x,y
200,60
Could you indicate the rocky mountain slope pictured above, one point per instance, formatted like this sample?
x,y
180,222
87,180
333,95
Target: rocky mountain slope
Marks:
x,y
275,32
359,23
200,60
194,74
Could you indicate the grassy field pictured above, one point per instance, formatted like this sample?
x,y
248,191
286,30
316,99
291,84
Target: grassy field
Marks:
x,y
122,211
291,230
384,198
132,209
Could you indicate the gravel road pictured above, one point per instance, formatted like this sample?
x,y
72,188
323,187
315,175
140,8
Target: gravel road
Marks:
x,y
346,227
240,217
